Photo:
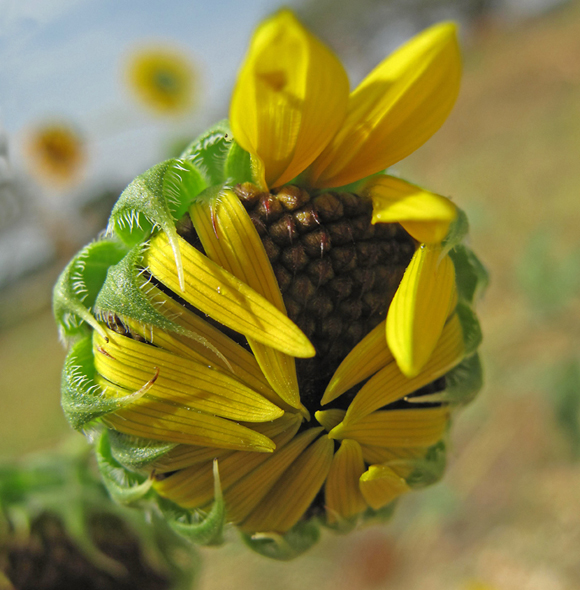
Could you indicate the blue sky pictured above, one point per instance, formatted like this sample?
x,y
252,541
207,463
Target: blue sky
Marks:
x,y
64,59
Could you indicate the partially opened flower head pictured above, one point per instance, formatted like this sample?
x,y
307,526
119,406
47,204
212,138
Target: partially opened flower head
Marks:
x,y
274,331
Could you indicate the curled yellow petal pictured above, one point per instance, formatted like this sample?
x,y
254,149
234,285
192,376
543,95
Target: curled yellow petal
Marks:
x,y
425,215
330,418
215,291
342,493
290,98
289,499
193,487
129,364
248,492
396,108
420,307
380,485
231,240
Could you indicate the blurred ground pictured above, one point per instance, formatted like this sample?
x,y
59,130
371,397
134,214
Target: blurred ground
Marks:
x,y
506,516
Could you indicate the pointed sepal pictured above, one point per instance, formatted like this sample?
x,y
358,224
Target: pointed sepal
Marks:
x,y
197,527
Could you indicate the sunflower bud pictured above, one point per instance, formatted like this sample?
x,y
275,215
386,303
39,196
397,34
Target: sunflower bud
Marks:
x,y
272,353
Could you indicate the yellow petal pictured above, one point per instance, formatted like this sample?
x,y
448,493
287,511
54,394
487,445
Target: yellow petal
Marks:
x,y
290,98
194,487
169,423
244,496
330,418
289,499
400,460
425,215
342,493
365,359
380,485
396,428
230,355
390,385
186,455
230,239
225,298
396,108
420,307
130,364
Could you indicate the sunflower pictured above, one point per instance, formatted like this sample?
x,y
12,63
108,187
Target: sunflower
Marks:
x,y
162,79
56,154
274,332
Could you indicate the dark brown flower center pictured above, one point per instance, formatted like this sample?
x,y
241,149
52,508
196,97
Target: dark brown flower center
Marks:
x,y
336,270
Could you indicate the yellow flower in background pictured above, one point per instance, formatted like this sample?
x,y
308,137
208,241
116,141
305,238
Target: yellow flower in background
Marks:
x,y
56,154
280,331
162,79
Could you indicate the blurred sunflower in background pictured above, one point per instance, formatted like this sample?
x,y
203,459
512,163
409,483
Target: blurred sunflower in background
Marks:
x,y
56,154
162,79
274,331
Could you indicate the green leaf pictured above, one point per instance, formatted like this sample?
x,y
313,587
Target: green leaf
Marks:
x,y
78,286
124,486
464,381
82,399
238,165
209,152
470,326
143,206
196,526
471,276
429,469
457,231
124,293
381,515
181,184
301,537
135,453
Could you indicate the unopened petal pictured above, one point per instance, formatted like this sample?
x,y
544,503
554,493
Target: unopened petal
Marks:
x,y
289,499
342,492
290,98
425,215
420,308
380,485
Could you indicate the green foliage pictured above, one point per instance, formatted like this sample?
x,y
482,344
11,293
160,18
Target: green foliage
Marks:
x,y
125,487
66,486
457,231
135,453
196,526
464,381
82,399
300,538
78,286
472,335
471,276
428,470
